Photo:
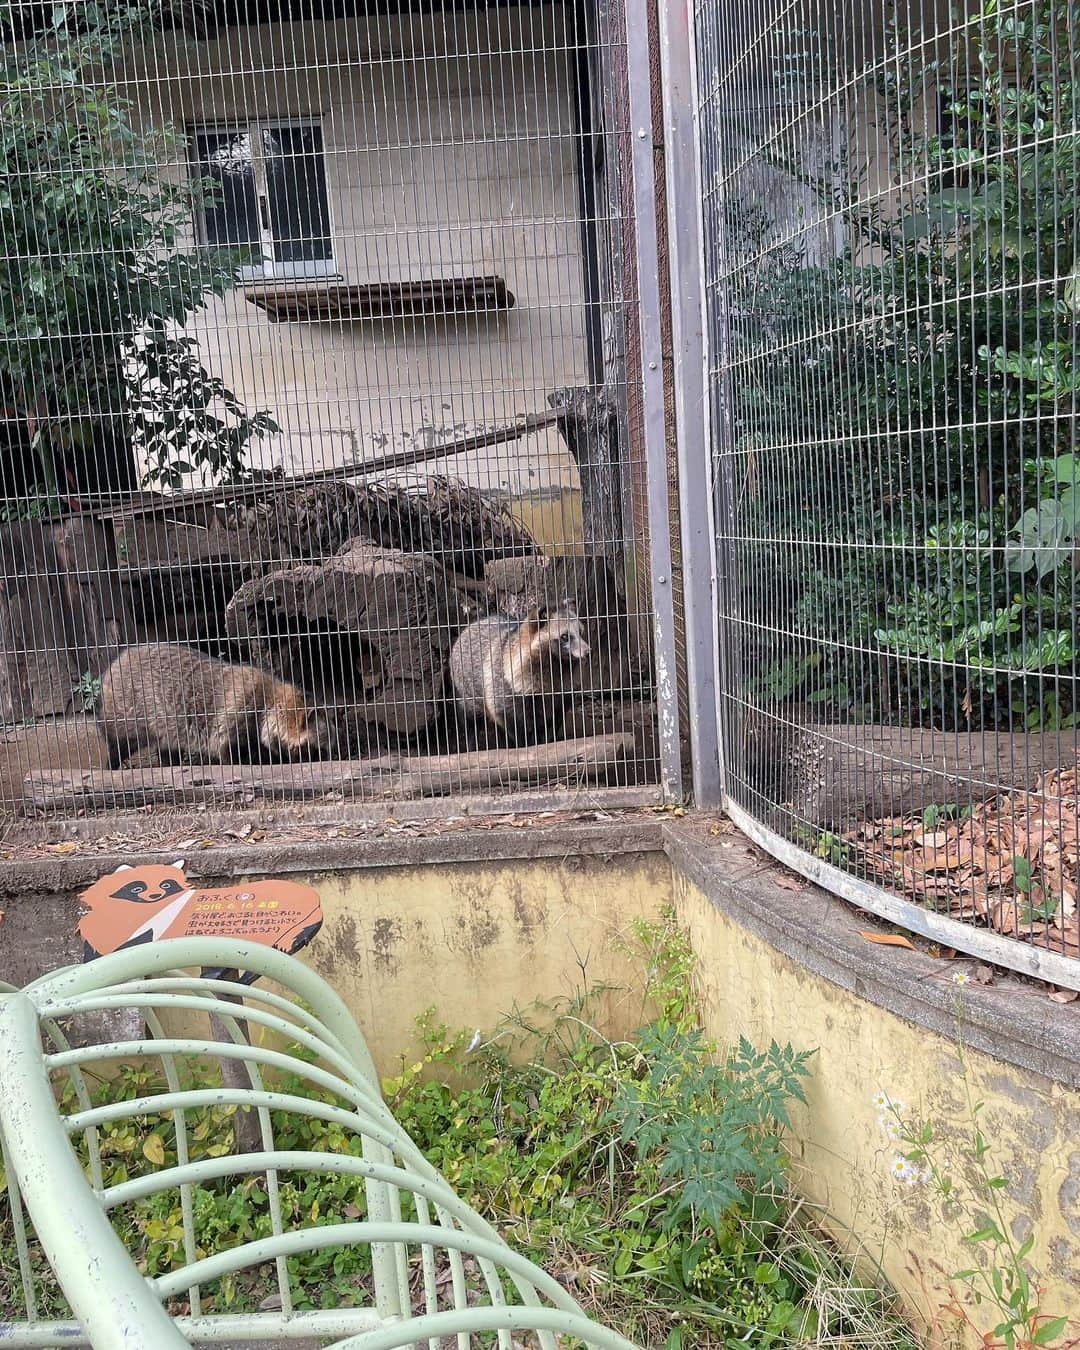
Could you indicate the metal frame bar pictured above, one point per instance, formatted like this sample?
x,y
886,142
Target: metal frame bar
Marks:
x,y
646,246
1038,962
692,422
72,1227
70,1210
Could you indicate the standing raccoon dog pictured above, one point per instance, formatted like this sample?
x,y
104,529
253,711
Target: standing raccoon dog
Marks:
x,y
514,673
187,706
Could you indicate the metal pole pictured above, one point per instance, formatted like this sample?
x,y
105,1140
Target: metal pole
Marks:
x,y
686,259
639,89
114,1303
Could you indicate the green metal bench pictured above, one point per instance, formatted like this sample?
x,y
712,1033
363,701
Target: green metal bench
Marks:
x,y
441,1276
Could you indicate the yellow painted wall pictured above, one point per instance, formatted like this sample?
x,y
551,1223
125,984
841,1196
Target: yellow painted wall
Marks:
x,y
842,1155
479,940
552,518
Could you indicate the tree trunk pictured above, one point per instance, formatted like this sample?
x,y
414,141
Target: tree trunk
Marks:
x,y
589,427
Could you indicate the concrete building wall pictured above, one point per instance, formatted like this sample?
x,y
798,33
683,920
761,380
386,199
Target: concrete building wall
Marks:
x,y
450,151
794,966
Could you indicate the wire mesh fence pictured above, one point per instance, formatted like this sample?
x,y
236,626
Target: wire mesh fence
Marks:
x,y
891,255
323,466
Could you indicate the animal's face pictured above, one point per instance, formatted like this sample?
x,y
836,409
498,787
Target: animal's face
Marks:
x,y
562,631
148,889
289,727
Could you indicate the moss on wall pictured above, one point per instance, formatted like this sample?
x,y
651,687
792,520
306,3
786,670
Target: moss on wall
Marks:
x,y
477,940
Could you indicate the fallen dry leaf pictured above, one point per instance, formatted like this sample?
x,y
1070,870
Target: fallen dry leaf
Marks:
x,y
1011,862
888,940
788,881
1063,995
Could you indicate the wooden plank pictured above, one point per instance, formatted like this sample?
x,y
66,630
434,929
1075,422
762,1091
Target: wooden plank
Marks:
x,y
587,759
313,302
109,505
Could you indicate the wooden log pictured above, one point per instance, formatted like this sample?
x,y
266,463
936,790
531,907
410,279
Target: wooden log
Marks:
x,y
64,745
179,571
587,759
833,776
589,427
367,635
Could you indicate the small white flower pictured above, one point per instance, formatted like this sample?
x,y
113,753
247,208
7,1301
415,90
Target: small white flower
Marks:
x,y
961,977
887,1106
917,1175
901,1169
890,1125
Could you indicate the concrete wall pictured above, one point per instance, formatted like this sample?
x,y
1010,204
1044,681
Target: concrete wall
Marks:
x,y
477,941
476,923
480,922
773,965
450,150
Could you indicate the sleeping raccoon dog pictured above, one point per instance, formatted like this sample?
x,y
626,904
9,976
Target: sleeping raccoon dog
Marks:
x,y
515,674
185,706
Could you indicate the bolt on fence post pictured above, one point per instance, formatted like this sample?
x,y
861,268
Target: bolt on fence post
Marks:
x,y
646,247
692,423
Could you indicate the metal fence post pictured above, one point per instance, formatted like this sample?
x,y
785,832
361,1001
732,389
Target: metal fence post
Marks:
x,y
686,258
639,89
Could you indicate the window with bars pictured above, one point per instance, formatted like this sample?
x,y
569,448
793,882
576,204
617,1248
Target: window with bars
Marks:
x,y
271,195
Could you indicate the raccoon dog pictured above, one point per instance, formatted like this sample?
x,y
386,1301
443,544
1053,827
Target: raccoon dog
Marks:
x,y
514,674
185,706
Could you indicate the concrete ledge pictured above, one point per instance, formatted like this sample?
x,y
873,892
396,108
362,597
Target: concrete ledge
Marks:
x,y
1010,1020
494,841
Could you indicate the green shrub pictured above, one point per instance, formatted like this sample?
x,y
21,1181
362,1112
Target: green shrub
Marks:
x,y
905,411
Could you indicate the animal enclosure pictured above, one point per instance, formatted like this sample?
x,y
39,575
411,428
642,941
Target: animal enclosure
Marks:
x,y
321,344
891,275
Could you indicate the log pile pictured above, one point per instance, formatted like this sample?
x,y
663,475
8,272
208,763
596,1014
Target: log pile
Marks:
x,y
355,592
450,522
367,635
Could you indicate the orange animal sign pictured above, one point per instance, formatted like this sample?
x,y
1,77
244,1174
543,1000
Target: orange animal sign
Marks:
x,y
134,905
